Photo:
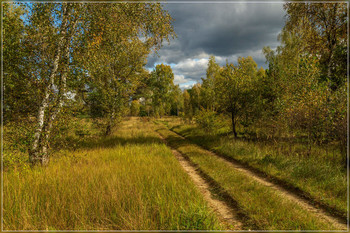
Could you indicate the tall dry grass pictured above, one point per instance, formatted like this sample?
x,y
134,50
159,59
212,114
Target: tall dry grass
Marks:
x,y
129,181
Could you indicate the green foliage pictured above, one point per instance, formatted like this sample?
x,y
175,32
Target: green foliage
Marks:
x,y
194,94
176,101
76,55
15,161
17,138
135,108
20,85
208,96
115,54
161,84
209,121
301,100
144,110
241,98
322,28
188,113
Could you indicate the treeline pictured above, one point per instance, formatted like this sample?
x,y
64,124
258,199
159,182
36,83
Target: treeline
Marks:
x,y
303,93
64,59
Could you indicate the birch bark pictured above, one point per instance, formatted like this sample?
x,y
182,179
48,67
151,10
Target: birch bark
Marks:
x,y
61,95
34,155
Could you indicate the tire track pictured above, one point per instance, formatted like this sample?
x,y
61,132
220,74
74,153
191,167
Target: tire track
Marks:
x,y
280,190
227,215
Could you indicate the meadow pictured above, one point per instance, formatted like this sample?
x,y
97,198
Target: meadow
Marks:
x,y
131,180
128,181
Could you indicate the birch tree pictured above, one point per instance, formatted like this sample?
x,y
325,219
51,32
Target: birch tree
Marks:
x,y
51,46
208,97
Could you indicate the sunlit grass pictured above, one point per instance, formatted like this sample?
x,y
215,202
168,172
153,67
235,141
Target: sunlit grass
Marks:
x,y
128,181
264,207
322,177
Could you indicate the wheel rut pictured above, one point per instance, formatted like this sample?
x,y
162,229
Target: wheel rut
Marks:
x,y
285,193
227,215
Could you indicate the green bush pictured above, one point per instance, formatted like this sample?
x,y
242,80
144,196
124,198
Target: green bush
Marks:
x,y
209,121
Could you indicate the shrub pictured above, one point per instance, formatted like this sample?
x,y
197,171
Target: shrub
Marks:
x,y
209,121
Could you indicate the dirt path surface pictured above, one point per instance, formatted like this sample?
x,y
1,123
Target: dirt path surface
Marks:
x,y
337,222
226,214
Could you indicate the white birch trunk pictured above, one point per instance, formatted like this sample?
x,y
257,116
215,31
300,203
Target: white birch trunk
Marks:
x,y
60,97
34,155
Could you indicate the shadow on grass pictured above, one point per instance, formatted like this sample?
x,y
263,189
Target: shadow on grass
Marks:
x,y
112,141
176,141
204,141
183,131
244,137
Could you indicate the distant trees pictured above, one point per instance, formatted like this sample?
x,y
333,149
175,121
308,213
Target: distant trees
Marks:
x,y
195,98
161,84
208,94
160,95
231,90
177,102
135,108
188,114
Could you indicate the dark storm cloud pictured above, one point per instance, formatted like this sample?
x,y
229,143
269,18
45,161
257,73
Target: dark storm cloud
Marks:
x,y
225,30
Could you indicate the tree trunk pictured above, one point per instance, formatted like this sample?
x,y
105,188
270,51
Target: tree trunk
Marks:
x,y
233,123
51,119
60,98
34,155
110,124
329,69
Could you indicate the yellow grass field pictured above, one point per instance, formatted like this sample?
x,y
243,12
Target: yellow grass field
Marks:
x,y
128,181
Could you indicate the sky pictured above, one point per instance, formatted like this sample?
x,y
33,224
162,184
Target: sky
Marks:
x,y
225,30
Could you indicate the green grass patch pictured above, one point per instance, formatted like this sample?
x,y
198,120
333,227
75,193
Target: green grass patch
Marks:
x,y
320,175
265,208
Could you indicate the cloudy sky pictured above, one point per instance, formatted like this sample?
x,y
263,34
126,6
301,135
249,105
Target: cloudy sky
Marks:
x,y
225,30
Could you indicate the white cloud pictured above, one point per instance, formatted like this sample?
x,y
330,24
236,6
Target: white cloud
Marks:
x,y
257,55
179,79
191,64
187,86
190,69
